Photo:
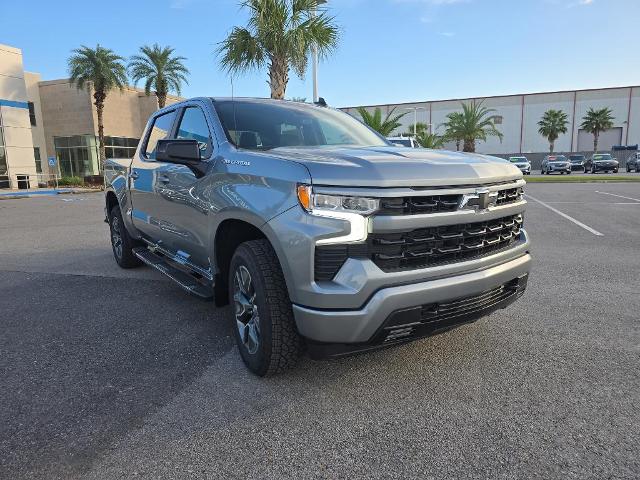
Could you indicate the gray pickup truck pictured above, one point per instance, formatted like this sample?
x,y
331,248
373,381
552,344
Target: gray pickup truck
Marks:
x,y
321,234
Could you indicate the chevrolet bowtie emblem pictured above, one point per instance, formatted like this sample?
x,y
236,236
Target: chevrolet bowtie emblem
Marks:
x,y
481,200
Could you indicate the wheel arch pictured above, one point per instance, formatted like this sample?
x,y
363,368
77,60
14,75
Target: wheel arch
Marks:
x,y
230,232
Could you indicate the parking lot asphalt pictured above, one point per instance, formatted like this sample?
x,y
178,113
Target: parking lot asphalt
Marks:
x,y
108,373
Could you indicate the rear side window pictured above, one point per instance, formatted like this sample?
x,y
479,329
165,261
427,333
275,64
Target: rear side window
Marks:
x,y
193,126
159,130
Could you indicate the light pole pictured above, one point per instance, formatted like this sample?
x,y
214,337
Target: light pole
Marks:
x,y
314,58
415,118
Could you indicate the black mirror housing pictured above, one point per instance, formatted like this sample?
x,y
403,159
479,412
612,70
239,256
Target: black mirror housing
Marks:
x,y
178,151
182,152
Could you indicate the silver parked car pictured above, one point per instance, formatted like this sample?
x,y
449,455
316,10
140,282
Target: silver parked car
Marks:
x,y
555,163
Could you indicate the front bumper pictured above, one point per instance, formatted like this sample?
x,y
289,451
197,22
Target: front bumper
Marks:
x,y
604,167
552,169
357,330
577,166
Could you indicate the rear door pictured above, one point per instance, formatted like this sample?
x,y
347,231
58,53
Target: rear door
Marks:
x,y
145,180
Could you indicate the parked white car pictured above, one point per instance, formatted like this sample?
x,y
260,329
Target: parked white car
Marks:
x,y
403,141
522,163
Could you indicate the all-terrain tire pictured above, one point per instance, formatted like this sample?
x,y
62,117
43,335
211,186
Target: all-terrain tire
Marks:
x,y
123,253
280,344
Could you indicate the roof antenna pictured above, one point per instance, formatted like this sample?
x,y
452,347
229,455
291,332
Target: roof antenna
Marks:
x,y
321,102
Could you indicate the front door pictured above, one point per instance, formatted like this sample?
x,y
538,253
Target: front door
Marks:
x,y
184,211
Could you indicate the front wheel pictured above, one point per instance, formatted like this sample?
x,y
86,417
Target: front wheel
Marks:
x,y
263,321
121,242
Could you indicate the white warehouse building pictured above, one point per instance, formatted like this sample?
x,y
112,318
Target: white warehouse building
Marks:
x,y
518,117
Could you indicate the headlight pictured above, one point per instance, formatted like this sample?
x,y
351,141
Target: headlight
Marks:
x,y
352,209
314,202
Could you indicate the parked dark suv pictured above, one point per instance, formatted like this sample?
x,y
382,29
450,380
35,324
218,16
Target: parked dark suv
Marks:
x,y
601,162
633,163
577,161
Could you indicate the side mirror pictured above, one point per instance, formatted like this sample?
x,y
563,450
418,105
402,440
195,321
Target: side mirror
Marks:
x,y
178,151
182,152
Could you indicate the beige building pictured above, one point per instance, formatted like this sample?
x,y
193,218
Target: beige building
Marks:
x,y
50,128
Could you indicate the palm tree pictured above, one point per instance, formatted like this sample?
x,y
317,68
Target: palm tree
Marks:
x,y
475,122
101,70
418,128
160,69
552,124
595,121
453,128
280,35
430,140
375,121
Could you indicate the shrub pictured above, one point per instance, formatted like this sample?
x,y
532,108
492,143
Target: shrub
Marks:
x,y
71,181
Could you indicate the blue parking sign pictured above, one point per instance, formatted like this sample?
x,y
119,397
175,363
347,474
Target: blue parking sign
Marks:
x,y
52,161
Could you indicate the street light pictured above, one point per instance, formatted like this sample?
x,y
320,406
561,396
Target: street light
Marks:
x,y
415,118
314,60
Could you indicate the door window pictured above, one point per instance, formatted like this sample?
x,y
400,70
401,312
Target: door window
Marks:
x,y
193,126
160,130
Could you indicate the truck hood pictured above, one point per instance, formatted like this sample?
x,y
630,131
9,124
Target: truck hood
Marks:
x,y
397,166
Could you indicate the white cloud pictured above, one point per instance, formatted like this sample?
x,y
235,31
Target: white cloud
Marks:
x,y
447,34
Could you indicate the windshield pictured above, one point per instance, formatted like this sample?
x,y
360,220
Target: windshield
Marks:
x,y
576,158
604,156
517,159
403,142
258,125
558,158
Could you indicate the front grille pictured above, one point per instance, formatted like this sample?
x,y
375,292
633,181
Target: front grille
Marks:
x,y
421,248
418,205
509,195
437,245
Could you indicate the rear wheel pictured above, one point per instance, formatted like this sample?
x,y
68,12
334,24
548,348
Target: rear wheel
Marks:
x,y
121,242
264,327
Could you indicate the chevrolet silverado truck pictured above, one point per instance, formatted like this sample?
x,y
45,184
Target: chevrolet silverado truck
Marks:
x,y
322,235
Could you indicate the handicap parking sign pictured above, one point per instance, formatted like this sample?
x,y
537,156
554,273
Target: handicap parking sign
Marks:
x,y
52,161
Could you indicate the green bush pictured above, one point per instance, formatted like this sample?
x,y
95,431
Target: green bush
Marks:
x,y
71,182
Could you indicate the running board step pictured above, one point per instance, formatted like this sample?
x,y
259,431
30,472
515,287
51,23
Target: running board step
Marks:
x,y
182,278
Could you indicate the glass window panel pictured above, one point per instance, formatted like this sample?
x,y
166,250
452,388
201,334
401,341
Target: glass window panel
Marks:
x,y
1,138
159,130
3,161
109,152
36,153
61,142
193,126
132,142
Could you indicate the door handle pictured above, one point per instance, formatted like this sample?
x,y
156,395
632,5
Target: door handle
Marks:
x,y
134,175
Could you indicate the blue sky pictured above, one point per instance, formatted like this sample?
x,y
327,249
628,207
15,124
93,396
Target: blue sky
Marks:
x,y
390,50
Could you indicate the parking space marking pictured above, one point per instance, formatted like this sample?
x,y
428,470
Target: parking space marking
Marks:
x,y
620,196
564,215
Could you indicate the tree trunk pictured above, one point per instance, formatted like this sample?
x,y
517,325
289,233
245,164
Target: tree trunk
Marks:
x,y
551,144
457,145
596,134
278,77
162,99
99,97
469,146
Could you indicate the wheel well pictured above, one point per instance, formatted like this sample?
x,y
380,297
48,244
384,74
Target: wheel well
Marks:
x,y
112,201
230,234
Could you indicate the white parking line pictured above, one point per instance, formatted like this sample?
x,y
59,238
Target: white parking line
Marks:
x,y
564,215
620,196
